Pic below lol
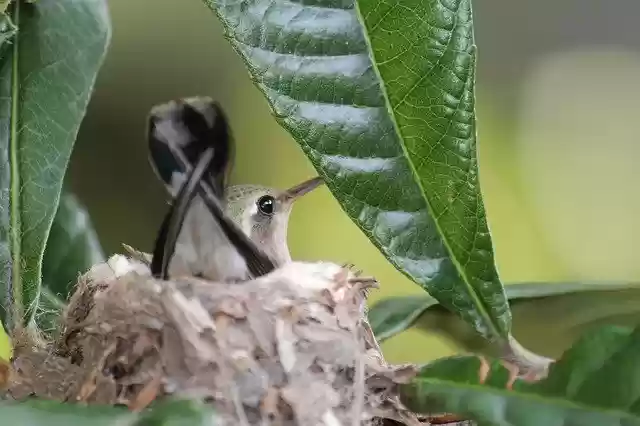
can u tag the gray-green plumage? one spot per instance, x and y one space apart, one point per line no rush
202 250
267 231
179 133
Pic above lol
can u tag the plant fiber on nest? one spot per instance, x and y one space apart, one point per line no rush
290 348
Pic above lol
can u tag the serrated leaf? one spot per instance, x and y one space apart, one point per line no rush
596 383
311 61
46 413
396 314
46 80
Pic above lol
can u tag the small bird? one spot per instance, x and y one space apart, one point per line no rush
211 231
263 214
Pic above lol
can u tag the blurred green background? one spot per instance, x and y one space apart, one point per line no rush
557 107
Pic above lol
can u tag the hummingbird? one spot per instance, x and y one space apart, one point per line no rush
213 231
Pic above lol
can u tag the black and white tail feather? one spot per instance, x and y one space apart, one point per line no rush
191 150
191 125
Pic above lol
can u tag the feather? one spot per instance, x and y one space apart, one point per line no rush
193 159
194 125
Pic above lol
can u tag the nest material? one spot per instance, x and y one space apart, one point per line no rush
290 348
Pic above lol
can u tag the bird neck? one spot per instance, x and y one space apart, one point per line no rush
275 246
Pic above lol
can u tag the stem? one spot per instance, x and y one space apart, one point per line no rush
530 364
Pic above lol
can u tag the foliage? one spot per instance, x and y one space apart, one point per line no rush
394 315
46 78
395 143
595 383
171 413
72 248
381 98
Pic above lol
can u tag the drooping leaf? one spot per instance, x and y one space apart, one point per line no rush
46 79
396 161
396 314
596 383
46 413
424 53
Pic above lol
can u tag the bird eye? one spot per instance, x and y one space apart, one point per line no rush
267 204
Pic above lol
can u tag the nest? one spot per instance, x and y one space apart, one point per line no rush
290 348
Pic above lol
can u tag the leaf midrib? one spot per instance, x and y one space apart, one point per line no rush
494 326
14 197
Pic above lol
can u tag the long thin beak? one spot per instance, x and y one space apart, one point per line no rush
299 190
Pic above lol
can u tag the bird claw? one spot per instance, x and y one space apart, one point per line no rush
357 278
351 268
365 282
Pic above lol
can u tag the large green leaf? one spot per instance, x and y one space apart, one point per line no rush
46 79
596 383
394 315
396 158
45 413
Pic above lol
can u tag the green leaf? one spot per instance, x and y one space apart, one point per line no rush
46 80
596 383
424 53
7 31
394 159
50 309
396 314
46 413
4 4
73 247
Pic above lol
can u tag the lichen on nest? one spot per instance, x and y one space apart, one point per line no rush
291 348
